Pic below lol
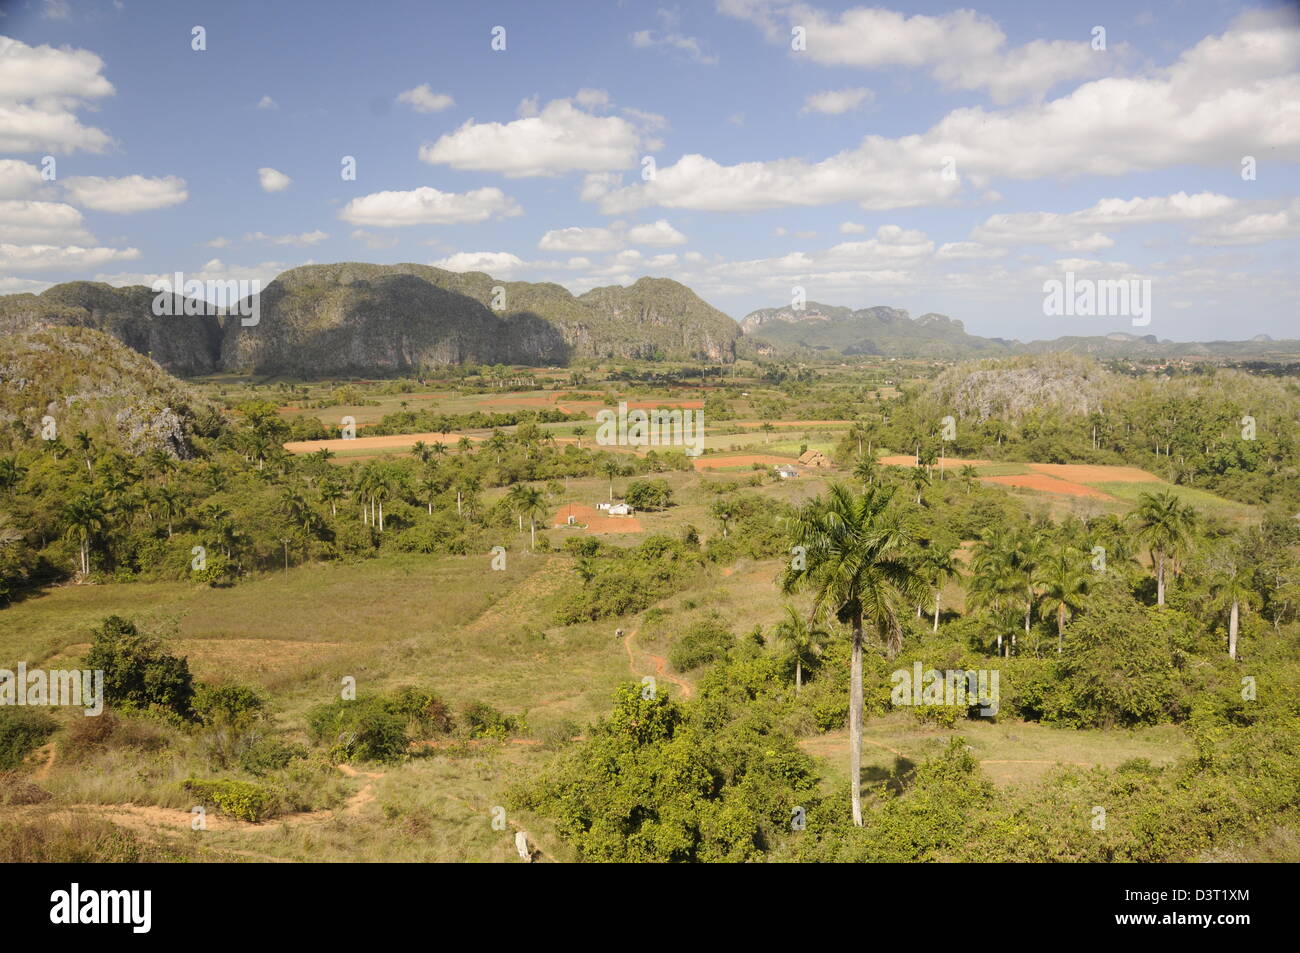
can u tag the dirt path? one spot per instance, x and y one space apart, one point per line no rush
660 663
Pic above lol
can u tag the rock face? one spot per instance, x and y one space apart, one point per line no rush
76 379
879 330
183 344
353 318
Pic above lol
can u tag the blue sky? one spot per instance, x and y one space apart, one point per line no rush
821 168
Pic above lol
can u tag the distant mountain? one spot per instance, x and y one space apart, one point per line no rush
890 332
827 330
354 318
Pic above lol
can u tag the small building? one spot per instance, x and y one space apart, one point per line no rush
786 472
815 459
620 509
603 506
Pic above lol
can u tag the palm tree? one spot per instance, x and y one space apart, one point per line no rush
11 474
439 449
920 479
1165 524
856 565
420 450
968 473
939 566
528 501
497 442
611 468
1064 579
331 492
83 442
995 584
867 470
169 503
84 516
804 637
1230 588
466 485
464 443
579 432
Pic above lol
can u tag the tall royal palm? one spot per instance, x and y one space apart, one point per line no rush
1064 581
1165 524
804 638
854 559
84 517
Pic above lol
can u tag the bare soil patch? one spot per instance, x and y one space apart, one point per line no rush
595 521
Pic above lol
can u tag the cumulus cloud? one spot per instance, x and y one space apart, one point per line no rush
18 178
266 102
576 238
40 90
131 193
424 100
373 241
492 262
1079 231
962 49
1226 96
304 238
560 138
53 223
428 206
657 233
837 101
272 180
69 257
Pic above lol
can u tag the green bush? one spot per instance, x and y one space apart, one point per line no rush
241 799
706 641
268 755
484 721
366 729
22 731
138 674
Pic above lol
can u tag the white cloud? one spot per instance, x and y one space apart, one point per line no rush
428 206
561 138
272 180
373 241
40 90
852 228
55 10
424 100
492 262
576 238
13 286
968 250
670 38
18 178
266 102
1078 231
42 223
591 98
305 238
837 101
1254 227
658 233
131 193
963 49
1226 97
70 257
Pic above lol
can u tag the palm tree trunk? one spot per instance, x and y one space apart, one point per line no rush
532 531
798 675
458 503
1060 627
1232 629
1160 579
855 721
999 644
936 611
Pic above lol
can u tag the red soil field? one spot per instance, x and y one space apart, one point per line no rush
739 460
595 520
1048 484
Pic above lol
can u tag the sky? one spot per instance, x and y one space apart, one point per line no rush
918 156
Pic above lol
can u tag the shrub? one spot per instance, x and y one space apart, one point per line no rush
425 712
22 731
228 704
362 730
484 721
138 674
704 642
241 799
267 755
